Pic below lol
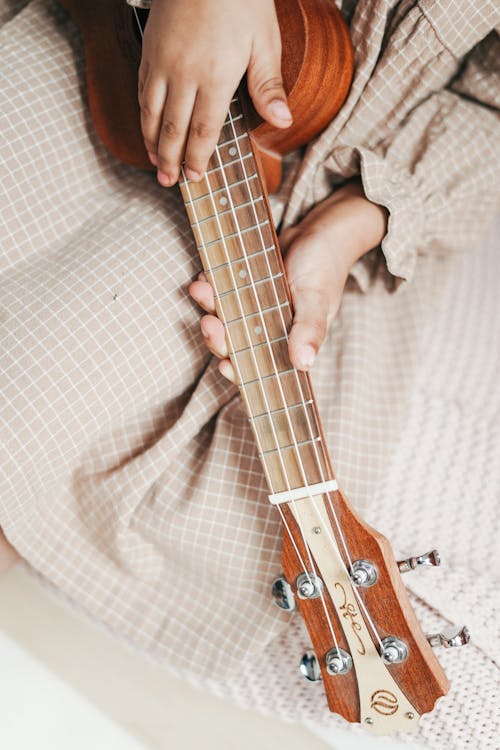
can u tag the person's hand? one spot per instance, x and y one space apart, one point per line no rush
319 253
193 57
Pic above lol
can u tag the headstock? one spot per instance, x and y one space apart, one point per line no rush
377 666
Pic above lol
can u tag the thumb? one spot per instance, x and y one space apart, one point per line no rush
310 324
265 86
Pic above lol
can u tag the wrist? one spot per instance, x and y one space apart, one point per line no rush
353 224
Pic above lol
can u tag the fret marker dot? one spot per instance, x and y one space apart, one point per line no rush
223 201
242 274
232 151
257 330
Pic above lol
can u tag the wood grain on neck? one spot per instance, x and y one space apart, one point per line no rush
234 232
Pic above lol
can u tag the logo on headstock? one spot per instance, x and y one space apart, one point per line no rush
384 702
351 613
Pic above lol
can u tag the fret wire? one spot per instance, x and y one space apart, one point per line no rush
229 164
227 129
233 140
260 344
295 444
252 284
271 375
248 255
235 234
232 119
286 303
223 189
299 405
228 211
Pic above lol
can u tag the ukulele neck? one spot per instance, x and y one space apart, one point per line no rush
234 232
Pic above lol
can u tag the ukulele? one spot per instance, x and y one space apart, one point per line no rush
377 666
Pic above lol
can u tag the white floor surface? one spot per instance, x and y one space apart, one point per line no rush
65 685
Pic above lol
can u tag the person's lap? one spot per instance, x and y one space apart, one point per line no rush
101 356
95 320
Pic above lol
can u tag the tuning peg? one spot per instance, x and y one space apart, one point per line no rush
338 661
394 650
430 559
283 595
309 667
450 637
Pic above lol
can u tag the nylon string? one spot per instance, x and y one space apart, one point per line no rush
328 493
313 439
330 502
261 384
299 556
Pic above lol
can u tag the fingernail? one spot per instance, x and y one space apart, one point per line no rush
164 179
191 174
153 158
305 355
280 110
226 370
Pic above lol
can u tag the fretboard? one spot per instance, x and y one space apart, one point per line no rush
234 232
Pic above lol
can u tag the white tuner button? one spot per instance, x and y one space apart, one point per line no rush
283 595
338 661
450 638
430 559
363 573
309 586
394 650
309 667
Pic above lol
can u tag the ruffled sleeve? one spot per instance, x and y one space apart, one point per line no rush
439 173
421 127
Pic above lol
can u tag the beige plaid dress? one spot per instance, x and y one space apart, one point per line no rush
129 481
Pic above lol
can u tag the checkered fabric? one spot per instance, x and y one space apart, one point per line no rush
129 481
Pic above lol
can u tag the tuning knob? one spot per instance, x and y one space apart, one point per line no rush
338 661
450 638
394 650
309 667
283 595
430 559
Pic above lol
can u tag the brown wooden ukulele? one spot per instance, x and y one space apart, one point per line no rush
377 666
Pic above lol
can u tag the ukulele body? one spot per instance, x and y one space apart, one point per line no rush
316 47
